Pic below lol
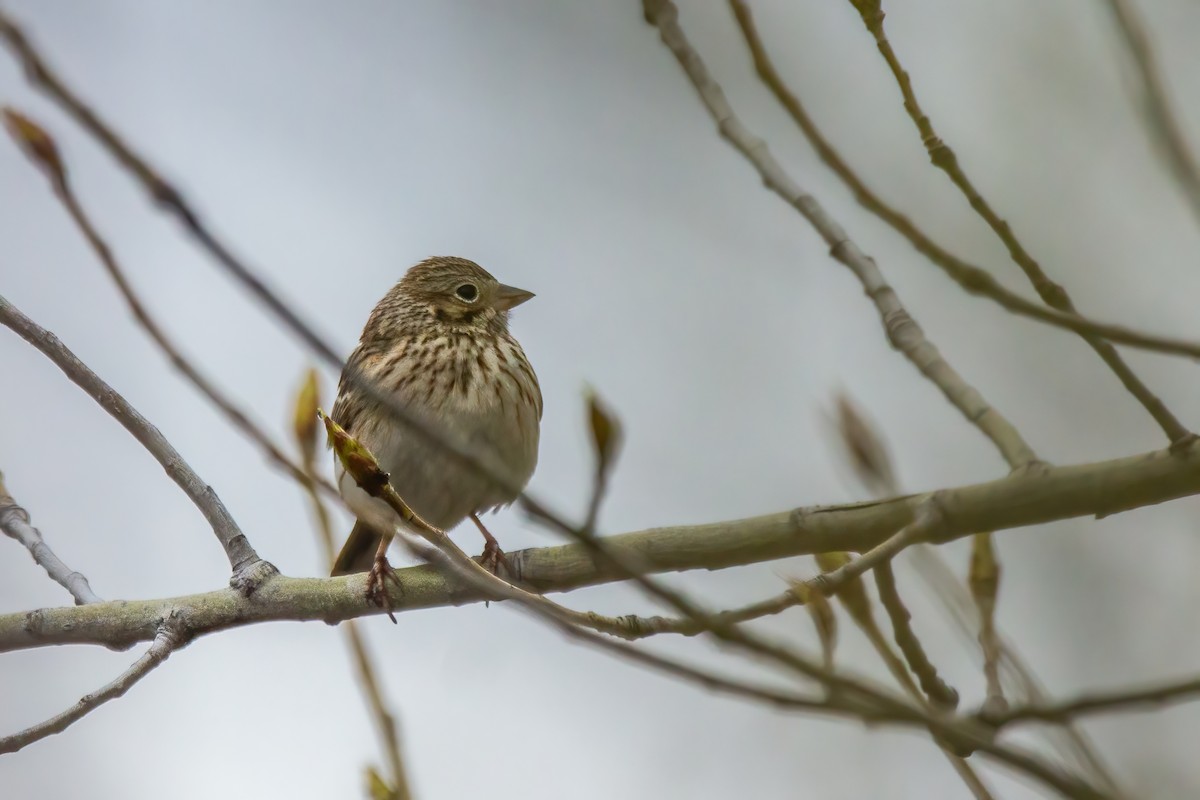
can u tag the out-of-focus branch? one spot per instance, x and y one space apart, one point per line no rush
970 277
1161 119
249 570
872 465
984 581
306 430
1022 682
55 168
902 330
939 692
1096 703
169 637
1053 294
14 521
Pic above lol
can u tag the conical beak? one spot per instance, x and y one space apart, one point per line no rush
510 297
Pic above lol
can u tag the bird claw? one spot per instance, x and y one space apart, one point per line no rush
381 572
493 557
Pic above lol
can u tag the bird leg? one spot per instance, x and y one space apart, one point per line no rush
492 556
381 571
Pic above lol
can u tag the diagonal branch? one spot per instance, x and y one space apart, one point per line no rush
971 278
902 330
169 638
1163 122
242 557
1053 294
46 156
15 522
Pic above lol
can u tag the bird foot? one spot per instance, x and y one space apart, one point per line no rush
493 557
381 572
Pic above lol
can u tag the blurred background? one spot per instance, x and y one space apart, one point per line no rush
561 146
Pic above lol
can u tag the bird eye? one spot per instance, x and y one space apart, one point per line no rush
467 292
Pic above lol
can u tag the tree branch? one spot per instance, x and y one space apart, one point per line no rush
902 330
1099 702
244 561
1053 294
971 278
169 637
47 157
14 521
1021 499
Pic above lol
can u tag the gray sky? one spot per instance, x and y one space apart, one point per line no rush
561 146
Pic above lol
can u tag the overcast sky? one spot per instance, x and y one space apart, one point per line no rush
561 147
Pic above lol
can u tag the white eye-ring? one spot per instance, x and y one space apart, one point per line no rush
467 292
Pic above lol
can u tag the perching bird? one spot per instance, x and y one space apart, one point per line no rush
438 344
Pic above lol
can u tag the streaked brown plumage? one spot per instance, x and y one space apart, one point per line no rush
438 342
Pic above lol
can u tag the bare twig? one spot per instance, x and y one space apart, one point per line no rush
1162 121
964 612
245 563
902 331
970 277
169 638
872 465
984 580
15 522
1052 294
935 688
56 170
1094 703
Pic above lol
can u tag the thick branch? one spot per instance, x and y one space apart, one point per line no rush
1021 499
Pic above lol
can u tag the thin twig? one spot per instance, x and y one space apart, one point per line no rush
939 692
970 277
1053 294
1163 122
169 638
964 613
1099 702
984 581
61 184
242 558
869 457
902 330
15 522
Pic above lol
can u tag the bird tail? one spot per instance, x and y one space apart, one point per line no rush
358 553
